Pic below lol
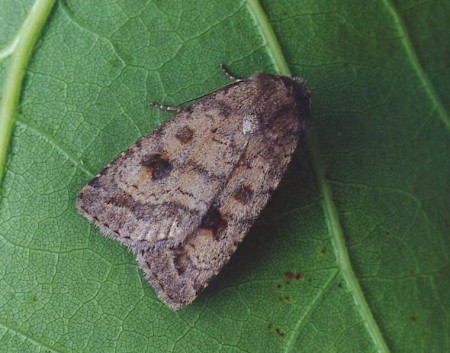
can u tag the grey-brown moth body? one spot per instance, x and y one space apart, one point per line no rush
185 196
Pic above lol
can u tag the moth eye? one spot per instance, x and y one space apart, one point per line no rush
158 166
243 194
184 135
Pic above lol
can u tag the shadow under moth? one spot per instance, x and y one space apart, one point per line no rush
185 196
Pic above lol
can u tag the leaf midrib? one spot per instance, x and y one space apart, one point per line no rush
328 204
415 63
25 41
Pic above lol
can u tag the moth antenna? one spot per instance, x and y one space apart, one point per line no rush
168 108
228 74
178 109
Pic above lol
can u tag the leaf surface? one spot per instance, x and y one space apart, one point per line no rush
351 254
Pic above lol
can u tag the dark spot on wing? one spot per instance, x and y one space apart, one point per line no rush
184 135
139 210
243 194
181 263
157 165
225 109
213 220
206 174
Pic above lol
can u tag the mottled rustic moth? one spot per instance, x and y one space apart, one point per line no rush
184 197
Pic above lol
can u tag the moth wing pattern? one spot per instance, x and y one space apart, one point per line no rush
130 200
185 196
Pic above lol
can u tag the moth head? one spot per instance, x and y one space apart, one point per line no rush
282 93
302 94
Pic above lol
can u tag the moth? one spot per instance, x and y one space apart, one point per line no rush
185 196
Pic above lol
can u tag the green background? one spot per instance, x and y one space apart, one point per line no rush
363 213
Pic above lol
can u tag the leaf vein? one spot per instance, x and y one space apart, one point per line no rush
416 64
27 38
58 145
301 322
36 341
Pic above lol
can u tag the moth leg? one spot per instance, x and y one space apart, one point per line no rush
168 108
228 74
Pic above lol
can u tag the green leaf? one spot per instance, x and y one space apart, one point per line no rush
352 253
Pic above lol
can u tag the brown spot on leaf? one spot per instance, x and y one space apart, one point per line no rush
184 135
289 275
269 325
279 285
279 332
157 165
323 250
243 194
293 275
